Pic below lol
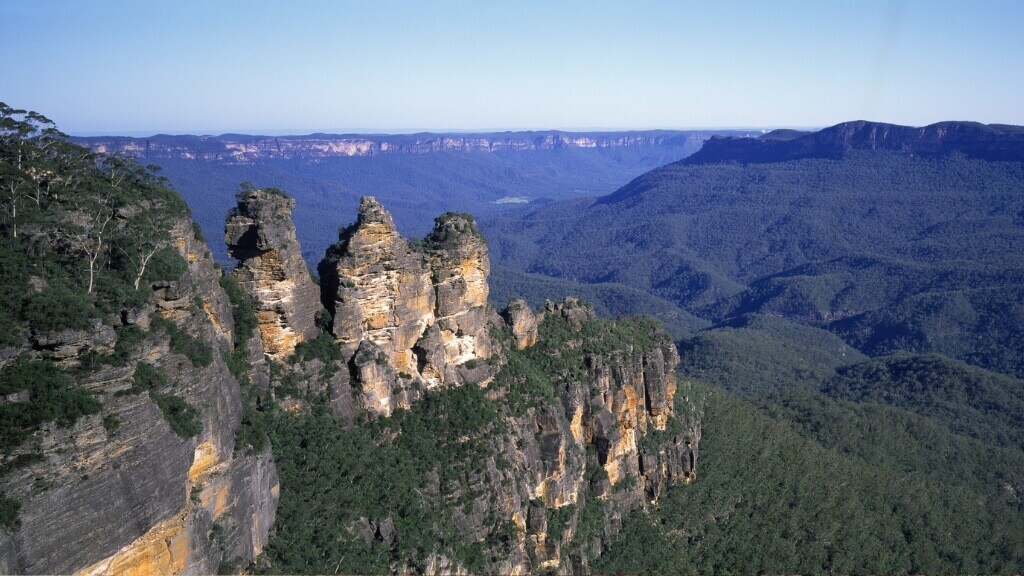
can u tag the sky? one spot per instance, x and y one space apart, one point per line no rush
300 66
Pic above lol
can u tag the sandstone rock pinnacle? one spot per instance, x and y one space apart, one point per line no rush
523 322
424 305
260 234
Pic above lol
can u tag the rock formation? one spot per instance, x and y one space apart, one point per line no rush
261 236
423 307
522 321
601 433
409 317
580 454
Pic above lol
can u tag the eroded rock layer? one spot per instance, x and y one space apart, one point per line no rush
422 307
610 443
120 492
260 235
565 471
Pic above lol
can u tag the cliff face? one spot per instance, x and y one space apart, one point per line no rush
236 148
560 472
611 442
409 316
120 491
260 235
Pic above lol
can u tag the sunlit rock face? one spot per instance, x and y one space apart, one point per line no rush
423 305
260 235
523 323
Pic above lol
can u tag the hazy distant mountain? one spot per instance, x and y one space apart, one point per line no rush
974 140
896 237
416 175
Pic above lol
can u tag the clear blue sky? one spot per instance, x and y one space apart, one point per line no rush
210 66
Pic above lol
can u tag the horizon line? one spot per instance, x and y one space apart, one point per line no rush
412 132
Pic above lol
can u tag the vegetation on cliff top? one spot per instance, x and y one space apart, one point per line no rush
389 493
82 239
79 233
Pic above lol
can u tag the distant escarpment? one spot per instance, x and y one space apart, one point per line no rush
974 140
241 148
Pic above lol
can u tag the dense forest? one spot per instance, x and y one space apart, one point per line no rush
889 250
819 460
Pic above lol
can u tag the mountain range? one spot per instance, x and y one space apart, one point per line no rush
895 238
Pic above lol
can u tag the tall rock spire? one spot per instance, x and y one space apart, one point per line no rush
260 235
423 306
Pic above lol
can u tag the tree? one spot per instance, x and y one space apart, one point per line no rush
15 188
85 230
148 237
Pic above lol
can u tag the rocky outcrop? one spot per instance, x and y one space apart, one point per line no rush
422 307
260 235
614 437
602 431
120 492
522 321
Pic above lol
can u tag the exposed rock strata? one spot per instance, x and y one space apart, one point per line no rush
242 149
423 307
598 420
260 234
522 321
139 499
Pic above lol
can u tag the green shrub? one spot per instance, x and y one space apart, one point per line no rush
57 308
52 398
243 309
323 319
21 373
166 264
558 518
256 420
128 340
183 418
198 352
9 508
111 423
197 232
238 364
321 348
148 377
